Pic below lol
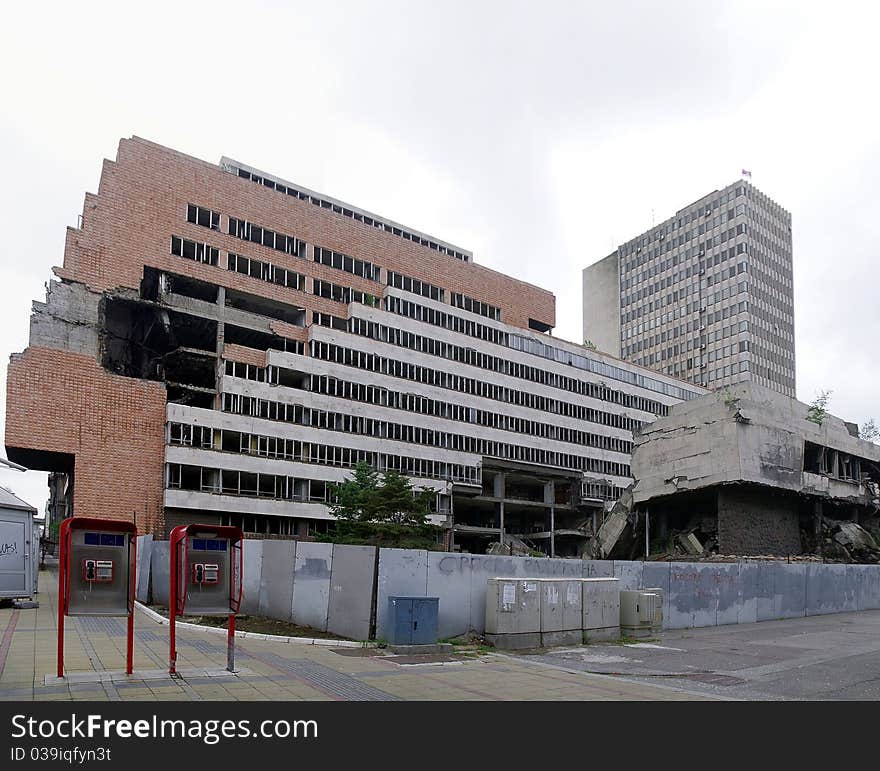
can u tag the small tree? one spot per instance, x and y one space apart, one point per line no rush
869 431
818 409
390 512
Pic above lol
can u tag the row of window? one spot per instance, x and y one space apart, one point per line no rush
343 294
347 212
266 271
475 306
384 397
224 440
248 231
352 265
437 318
479 387
194 250
401 432
246 483
424 405
402 338
416 286
199 215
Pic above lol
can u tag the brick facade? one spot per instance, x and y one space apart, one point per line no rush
113 426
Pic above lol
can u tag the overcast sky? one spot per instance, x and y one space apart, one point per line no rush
538 135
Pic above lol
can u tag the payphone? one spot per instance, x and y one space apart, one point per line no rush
96 574
205 579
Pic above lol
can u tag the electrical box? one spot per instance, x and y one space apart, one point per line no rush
638 612
100 570
413 620
513 612
658 606
601 609
561 611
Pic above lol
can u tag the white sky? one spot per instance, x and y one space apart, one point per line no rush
538 135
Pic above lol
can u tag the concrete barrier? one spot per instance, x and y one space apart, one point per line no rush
311 584
352 578
251 574
159 573
339 588
144 556
275 598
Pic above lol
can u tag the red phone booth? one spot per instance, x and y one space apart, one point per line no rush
96 574
205 579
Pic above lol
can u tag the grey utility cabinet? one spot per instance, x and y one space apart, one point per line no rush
413 620
18 557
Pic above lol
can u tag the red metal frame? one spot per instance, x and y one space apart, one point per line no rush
65 533
177 574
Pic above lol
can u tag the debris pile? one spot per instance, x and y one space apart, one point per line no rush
512 547
848 542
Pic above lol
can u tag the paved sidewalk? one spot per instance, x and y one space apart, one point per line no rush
831 657
269 670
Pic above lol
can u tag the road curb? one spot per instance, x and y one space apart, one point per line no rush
160 619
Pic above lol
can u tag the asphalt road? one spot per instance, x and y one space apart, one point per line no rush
834 657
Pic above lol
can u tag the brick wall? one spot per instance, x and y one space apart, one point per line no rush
142 201
114 426
754 522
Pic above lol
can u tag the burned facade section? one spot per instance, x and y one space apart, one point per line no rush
744 471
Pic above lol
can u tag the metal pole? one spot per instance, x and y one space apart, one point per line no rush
132 589
172 610
230 643
62 569
647 533
552 532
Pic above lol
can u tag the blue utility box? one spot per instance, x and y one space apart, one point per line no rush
413 620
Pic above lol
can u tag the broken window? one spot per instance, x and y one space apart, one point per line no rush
193 250
199 215
257 234
352 265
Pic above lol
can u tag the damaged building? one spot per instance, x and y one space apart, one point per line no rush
222 345
747 471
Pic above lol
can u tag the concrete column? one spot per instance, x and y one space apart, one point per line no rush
552 528
501 520
817 526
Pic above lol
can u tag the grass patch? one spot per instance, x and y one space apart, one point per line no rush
257 624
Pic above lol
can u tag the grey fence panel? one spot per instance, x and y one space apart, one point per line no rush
629 574
790 590
352 577
159 573
402 572
144 556
728 592
252 556
311 584
871 588
276 579
449 578
748 593
598 569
